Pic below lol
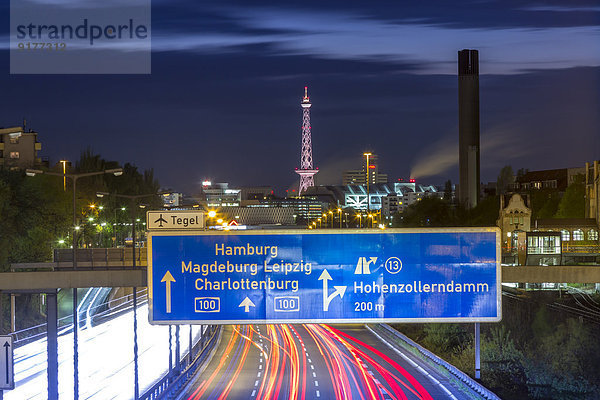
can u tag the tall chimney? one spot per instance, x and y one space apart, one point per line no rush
468 127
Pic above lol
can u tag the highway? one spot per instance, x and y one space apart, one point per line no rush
105 359
311 362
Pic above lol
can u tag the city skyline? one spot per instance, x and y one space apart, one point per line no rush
222 99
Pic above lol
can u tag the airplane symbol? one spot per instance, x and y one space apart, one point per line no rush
160 220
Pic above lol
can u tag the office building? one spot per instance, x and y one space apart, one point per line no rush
359 176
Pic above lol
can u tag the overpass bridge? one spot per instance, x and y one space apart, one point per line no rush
104 268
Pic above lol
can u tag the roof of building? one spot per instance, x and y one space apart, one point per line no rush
566 223
546 175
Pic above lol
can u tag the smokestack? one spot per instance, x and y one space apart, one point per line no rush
468 127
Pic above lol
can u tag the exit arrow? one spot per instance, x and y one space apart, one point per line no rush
168 279
247 303
6 346
325 277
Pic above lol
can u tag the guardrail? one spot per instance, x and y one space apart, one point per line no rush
568 247
426 355
171 384
65 324
101 257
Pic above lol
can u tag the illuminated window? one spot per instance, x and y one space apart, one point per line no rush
578 234
565 235
14 154
14 137
592 234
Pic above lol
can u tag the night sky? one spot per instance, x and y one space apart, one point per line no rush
223 99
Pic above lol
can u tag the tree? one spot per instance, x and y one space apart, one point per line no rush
504 180
503 362
444 338
448 191
572 204
429 211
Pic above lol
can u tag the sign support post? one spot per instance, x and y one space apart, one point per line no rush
477 354
52 321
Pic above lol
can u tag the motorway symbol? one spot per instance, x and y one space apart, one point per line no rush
7 379
247 303
325 277
362 267
168 279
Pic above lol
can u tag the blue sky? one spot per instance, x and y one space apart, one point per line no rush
222 101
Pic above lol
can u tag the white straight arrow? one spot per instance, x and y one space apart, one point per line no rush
168 279
247 303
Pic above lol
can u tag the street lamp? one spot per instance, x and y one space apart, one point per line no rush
74 177
331 213
368 179
339 210
132 199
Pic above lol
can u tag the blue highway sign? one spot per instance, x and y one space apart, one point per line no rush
300 276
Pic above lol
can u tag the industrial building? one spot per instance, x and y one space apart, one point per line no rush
468 127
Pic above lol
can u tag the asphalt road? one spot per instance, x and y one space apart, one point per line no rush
313 362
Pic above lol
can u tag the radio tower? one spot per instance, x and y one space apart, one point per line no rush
306 170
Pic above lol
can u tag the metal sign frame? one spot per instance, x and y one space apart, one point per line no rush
498 274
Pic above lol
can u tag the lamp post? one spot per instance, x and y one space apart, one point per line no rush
339 210
331 213
368 180
74 178
132 199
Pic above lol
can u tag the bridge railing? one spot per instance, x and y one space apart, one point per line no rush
65 324
171 384
568 247
101 257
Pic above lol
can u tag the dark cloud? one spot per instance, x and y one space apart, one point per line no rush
223 99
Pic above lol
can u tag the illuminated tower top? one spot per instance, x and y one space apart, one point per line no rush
305 99
306 170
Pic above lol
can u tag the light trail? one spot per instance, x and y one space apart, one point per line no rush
274 363
105 361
